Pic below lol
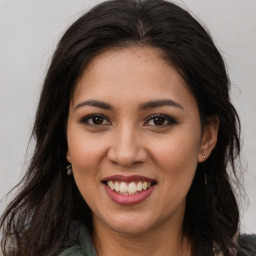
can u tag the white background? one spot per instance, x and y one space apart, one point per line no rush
29 32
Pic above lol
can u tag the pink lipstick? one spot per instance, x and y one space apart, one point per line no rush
128 190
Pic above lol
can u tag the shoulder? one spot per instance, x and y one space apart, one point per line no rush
83 245
247 245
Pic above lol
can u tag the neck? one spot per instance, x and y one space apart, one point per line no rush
168 242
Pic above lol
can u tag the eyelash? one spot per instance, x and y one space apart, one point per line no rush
85 120
168 120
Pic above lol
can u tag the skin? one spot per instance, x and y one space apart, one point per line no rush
127 142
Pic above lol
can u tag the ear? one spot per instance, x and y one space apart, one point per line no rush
209 138
68 156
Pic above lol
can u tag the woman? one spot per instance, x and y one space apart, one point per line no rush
134 135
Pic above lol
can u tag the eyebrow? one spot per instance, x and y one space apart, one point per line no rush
143 106
94 103
159 103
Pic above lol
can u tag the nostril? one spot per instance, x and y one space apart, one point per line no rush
127 156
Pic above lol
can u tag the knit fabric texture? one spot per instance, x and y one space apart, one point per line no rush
84 246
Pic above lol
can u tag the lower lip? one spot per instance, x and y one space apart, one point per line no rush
129 199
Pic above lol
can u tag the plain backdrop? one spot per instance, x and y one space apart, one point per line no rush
29 32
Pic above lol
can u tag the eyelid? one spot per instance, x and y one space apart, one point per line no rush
84 120
170 119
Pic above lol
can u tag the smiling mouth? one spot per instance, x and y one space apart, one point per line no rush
131 188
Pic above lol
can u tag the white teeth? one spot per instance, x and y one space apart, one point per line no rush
144 185
123 187
131 188
139 186
111 184
117 186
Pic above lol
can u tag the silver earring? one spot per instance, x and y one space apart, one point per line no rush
69 169
205 179
204 156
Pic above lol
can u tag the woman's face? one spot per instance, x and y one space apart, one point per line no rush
134 140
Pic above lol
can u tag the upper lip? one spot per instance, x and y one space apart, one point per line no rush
128 179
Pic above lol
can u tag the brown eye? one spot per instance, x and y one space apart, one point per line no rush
160 120
95 120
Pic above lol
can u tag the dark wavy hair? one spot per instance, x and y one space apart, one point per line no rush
37 221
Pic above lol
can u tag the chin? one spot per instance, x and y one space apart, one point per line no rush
130 228
130 223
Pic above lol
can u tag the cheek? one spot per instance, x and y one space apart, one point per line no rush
177 161
178 150
86 160
85 152
86 155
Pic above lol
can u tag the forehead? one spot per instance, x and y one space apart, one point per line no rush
132 73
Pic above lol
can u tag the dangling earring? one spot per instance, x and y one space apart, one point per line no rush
69 169
205 176
205 179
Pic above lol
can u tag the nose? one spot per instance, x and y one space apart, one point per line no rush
127 148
